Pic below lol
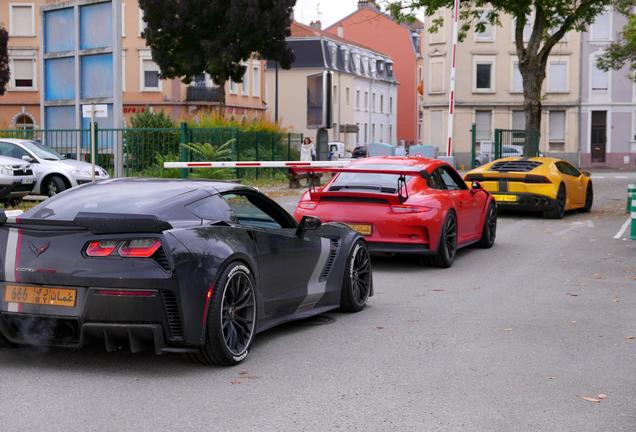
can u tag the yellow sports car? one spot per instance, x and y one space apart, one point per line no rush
544 184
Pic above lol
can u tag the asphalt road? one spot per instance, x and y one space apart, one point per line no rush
509 339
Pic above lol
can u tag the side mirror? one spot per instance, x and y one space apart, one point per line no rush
307 223
475 186
586 173
27 158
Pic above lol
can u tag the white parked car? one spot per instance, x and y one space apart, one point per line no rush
53 171
16 178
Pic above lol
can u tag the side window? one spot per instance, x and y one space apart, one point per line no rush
252 210
212 208
5 149
436 181
14 151
451 182
568 169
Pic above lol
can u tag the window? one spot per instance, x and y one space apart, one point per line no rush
334 95
436 76
436 181
600 78
149 80
440 35
557 130
23 121
365 132
600 30
256 80
483 123
142 23
451 179
233 87
211 208
390 137
347 96
488 34
245 82
527 29
366 101
358 133
558 76
358 99
567 168
517 80
519 120
382 103
23 74
12 150
21 20
373 105
391 105
250 211
381 132
123 19
373 133
436 129
483 74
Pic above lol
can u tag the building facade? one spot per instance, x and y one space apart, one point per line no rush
364 89
403 43
608 101
141 83
489 91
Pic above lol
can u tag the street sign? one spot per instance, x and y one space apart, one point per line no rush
99 111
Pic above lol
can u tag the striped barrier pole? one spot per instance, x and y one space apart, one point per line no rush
631 190
632 233
259 164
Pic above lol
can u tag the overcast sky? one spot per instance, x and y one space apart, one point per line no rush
330 10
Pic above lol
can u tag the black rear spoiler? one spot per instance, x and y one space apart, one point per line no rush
97 223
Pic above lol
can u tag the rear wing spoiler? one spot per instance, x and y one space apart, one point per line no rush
97 223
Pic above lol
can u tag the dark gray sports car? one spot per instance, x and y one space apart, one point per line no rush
181 266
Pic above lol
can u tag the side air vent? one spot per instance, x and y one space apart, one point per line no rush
519 165
172 313
333 250
162 259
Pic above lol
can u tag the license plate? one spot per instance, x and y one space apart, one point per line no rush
505 198
65 297
28 180
364 229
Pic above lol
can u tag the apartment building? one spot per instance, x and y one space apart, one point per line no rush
365 97
608 101
402 42
489 90
141 83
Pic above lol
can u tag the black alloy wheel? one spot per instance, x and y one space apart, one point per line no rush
589 198
558 211
357 283
489 231
448 243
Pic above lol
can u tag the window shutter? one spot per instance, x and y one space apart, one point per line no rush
437 77
600 79
599 30
557 126
437 128
23 69
519 120
517 80
22 20
483 123
558 78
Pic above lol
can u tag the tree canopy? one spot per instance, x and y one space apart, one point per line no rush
5 74
190 37
548 21
623 51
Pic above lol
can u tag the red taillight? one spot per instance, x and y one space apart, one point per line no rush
101 248
408 209
139 248
308 205
126 293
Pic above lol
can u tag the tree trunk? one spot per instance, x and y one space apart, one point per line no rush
223 82
533 76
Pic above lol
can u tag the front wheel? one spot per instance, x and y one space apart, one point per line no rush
357 281
231 318
55 185
489 231
589 198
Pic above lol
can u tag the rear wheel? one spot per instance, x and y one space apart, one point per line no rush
4 342
231 318
489 231
589 198
357 281
558 211
54 185
448 243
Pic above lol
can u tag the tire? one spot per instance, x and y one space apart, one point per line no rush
489 230
589 198
558 211
447 249
357 280
54 185
4 343
229 329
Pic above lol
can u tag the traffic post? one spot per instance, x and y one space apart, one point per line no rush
631 190
92 112
632 233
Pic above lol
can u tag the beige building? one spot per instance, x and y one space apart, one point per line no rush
141 85
489 89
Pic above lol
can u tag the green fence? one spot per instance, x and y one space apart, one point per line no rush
507 143
145 150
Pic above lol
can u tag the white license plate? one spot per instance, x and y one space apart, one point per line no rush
28 180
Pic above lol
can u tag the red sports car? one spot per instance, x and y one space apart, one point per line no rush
406 205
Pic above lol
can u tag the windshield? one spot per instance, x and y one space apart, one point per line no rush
42 151
384 183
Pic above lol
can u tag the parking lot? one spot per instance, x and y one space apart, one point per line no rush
509 339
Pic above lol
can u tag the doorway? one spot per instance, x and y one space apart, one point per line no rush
599 136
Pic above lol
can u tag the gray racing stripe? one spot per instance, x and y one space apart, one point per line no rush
315 288
10 255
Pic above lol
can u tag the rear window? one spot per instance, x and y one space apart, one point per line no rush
384 183
519 165
115 197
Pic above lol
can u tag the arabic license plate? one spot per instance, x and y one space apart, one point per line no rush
505 198
64 297
29 180
364 229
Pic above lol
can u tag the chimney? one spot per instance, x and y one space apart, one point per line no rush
364 3
317 25
340 31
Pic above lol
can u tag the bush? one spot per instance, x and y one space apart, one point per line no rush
151 133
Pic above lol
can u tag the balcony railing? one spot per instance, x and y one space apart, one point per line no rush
203 94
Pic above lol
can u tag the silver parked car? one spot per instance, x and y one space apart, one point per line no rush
54 172
16 179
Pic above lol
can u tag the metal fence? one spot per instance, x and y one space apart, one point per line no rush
507 143
145 150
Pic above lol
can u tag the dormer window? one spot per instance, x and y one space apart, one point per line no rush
345 56
333 52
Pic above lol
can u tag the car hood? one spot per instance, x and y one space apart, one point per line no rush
72 164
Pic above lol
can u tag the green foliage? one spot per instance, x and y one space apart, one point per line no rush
150 133
149 119
215 120
189 37
5 73
623 51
